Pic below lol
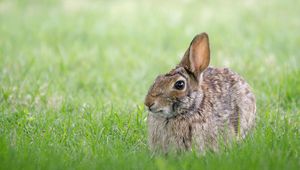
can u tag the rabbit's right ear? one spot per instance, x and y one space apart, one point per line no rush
197 56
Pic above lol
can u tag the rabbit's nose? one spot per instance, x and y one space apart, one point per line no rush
149 105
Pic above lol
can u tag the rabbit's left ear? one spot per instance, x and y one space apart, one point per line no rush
197 56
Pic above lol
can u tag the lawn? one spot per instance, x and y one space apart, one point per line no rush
74 74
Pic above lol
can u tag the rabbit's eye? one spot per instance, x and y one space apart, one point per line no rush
179 85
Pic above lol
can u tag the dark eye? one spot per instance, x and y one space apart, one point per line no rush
179 85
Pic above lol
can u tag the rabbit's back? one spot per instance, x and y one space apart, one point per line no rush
232 103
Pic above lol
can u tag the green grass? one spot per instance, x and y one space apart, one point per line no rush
74 74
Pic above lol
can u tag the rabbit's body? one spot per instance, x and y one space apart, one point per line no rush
196 106
223 108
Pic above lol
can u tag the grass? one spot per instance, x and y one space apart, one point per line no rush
73 76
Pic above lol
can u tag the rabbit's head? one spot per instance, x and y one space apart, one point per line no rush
179 90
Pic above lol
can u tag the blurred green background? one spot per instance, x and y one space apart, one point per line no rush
74 74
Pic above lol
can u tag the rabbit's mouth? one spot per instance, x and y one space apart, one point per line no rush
162 112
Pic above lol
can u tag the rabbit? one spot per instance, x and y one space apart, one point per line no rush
194 106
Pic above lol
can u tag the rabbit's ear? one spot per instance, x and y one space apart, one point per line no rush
197 56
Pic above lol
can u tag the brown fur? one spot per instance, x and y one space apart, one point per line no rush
215 104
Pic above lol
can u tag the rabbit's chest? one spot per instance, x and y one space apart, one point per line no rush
177 134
